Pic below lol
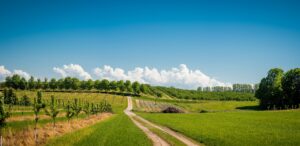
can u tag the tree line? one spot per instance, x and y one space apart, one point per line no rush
280 90
245 88
71 83
203 95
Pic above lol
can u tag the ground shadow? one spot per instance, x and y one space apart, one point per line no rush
254 107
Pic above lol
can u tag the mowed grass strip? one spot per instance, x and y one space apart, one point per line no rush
235 128
119 130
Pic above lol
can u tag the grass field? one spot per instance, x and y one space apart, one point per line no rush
235 128
118 130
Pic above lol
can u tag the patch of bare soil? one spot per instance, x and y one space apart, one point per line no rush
26 137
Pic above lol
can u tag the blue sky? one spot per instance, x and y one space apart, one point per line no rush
231 41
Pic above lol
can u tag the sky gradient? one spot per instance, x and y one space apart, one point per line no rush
230 41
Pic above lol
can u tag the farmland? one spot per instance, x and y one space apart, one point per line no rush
235 128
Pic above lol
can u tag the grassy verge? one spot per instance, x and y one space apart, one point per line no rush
168 138
235 128
116 131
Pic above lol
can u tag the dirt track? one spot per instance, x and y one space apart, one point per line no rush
157 141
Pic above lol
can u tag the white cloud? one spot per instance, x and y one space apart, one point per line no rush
5 72
181 77
22 74
72 70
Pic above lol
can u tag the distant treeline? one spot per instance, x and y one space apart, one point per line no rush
246 88
69 83
204 95
73 85
280 90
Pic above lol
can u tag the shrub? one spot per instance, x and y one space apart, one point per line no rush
171 110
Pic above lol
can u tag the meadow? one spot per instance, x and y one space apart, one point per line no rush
235 128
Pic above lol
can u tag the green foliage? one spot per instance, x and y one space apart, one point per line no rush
53 110
76 108
279 90
10 96
197 95
136 88
25 101
291 87
3 114
69 111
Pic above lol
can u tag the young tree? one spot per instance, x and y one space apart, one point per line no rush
69 112
39 84
76 107
52 111
37 106
25 101
86 108
3 116
10 96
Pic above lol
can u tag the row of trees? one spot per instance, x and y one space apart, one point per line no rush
69 83
280 90
72 109
245 88
196 95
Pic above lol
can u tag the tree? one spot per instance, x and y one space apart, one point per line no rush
53 111
144 88
121 85
61 84
76 107
39 84
10 97
25 101
270 90
128 86
3 116
23 84
53 84
75 84
113 85
31 83
104 85
68 83
45 84
89 84
37 106
69 112
291 87
136 87
86 108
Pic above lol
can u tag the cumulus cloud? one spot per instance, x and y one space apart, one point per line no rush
72 70
22 74
181 76
5 72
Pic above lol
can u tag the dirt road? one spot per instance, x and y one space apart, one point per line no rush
157 141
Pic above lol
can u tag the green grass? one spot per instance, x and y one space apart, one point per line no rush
206 105
213 106
116 131
168 138
235 128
